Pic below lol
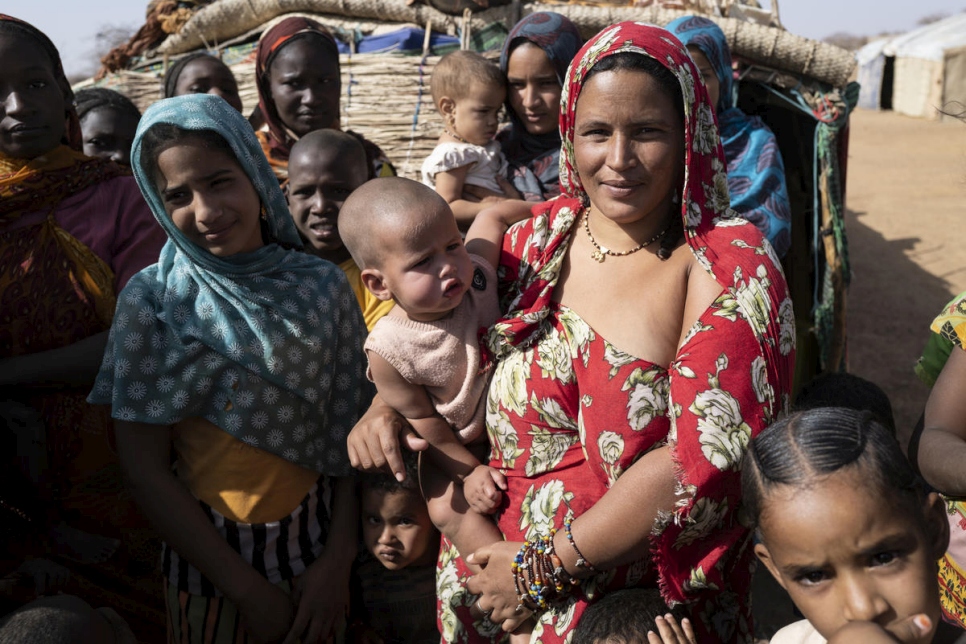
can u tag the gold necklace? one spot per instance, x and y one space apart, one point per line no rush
600 253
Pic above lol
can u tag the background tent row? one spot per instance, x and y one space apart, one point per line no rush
918 73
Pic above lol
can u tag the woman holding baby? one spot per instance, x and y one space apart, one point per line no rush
645 337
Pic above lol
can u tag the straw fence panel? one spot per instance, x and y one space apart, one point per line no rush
772 47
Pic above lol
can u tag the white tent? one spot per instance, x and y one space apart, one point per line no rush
872 71
930 67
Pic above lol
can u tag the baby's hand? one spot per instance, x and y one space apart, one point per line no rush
670 632
909 629
482 489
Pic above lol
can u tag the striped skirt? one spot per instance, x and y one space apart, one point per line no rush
193 619
197 611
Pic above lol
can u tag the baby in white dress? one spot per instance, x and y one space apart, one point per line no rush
468 91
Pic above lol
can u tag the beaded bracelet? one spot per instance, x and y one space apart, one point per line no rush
538 573
568 530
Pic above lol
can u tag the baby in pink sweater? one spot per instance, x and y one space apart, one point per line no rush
424 355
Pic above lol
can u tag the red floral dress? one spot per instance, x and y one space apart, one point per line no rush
568 412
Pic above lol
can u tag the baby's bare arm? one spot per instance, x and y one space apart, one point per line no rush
414 404
449 185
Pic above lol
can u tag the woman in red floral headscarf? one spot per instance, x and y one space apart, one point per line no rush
299 89
647 336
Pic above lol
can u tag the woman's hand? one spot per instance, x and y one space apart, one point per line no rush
266 613
671 632
321 596
375 440
494 585
482 489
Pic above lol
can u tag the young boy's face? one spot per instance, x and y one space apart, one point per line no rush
318 185
396 528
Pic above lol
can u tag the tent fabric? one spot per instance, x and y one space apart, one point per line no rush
871 61
918 87
954 85
929 70
931 41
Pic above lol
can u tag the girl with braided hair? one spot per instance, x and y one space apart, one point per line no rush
108 121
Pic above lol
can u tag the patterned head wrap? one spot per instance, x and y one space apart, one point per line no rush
555 34
708 37
72 133
29 185
756 172
272 41
266 345
705 183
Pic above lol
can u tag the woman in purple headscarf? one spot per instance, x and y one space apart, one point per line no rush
535 58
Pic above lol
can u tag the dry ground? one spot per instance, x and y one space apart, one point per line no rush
906 222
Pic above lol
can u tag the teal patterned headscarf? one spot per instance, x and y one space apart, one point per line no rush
266 345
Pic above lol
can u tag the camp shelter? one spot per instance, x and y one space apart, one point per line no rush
930 68
876 74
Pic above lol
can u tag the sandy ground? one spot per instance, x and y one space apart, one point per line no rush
906 204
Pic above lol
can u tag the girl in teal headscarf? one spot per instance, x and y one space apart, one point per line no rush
245 356
756 174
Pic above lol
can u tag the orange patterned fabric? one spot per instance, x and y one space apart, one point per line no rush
41 183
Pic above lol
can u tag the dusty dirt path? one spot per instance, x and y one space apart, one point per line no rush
907 240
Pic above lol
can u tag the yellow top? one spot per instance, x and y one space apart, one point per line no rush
243 483
372 307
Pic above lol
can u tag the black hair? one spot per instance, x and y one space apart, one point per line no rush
819 442
95 98
388 483
173 73
847 390
632 61
622 617
165 135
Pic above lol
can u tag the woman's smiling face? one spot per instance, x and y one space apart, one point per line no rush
628 145
210 198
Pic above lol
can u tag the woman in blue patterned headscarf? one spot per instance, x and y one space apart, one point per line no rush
535 57
756 174
245 356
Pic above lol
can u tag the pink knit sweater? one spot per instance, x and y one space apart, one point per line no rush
444 356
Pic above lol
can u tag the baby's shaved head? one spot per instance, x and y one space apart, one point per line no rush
331 145
383 209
